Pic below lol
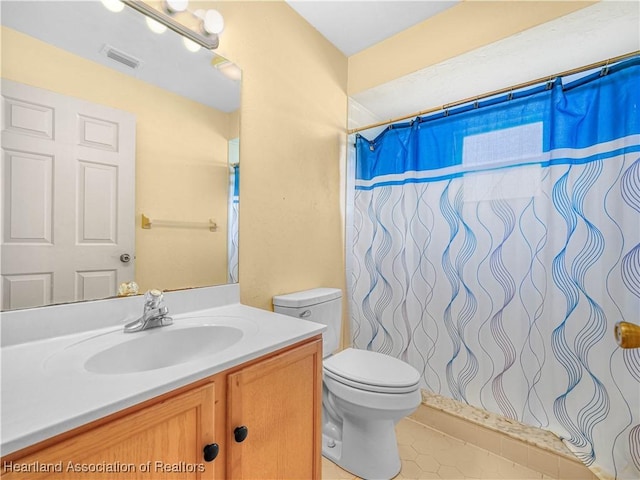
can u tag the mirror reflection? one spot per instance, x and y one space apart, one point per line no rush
105 120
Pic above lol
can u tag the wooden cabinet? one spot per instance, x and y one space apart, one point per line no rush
152 442
277 398
279 403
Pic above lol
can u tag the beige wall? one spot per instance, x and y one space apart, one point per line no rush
293 121
462 28
184 180
292 138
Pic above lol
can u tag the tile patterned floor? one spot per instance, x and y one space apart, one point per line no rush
430 454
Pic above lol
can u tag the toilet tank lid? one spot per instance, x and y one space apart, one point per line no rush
306 298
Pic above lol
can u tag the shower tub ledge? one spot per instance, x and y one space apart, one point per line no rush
532 447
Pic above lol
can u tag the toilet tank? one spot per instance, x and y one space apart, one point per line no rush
321 305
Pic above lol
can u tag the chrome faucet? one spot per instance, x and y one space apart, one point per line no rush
155 313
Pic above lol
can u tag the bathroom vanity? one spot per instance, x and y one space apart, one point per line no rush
251 410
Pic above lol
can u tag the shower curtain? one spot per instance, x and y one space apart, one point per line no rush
232 240
496 245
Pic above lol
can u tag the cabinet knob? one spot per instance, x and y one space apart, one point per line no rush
240 433
211 452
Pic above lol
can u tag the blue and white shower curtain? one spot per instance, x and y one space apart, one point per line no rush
496 246
232 240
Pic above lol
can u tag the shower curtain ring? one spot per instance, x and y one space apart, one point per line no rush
605 69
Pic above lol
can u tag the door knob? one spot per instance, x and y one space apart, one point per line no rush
211 452
125 258
240 433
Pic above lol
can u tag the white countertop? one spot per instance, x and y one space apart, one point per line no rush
42 398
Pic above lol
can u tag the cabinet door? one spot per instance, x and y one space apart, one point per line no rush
162 441
279 401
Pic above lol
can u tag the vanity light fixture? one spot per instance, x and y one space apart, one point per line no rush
190 45
175 6
212 22
155 26
208 38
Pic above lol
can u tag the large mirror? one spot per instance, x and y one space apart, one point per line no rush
120 157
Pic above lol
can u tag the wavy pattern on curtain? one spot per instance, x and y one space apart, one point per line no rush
495 248
232 241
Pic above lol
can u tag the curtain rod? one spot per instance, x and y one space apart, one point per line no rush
548 78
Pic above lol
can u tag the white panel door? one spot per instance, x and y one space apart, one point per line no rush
68 198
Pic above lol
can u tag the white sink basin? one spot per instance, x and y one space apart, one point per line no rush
163 348
113 352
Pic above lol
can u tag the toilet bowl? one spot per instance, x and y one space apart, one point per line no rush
365 393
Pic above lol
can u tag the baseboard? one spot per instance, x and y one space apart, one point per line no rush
532 447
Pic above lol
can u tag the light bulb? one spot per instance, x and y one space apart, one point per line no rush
213 23
113 5
190 45
175 6
155 26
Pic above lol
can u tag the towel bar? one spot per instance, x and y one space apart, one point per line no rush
147 223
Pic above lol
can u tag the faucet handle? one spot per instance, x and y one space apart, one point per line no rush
153 299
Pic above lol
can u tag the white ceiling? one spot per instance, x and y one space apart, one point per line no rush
85 27
353 26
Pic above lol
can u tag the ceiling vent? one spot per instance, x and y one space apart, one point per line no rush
121 57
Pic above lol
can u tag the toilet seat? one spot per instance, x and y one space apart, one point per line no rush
371 371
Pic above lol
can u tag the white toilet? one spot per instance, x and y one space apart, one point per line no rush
364 393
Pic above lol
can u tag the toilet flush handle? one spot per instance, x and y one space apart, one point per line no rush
305 314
